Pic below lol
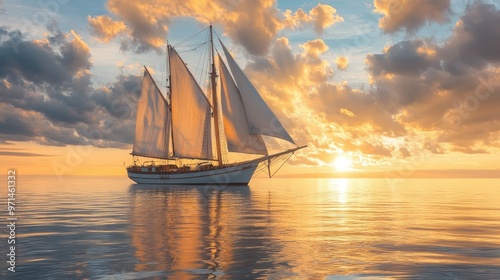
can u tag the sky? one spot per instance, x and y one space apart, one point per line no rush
369 86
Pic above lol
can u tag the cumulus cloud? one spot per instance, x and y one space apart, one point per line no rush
417 101
450 91
46 95
404 58
476 39
332 118
342 63
253 24
324 16
410 15
321 17
105 28
314 48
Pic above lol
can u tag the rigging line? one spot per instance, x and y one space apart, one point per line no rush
200 69
197 69
206 62
191 45
284 161
193 49
191 37
263 166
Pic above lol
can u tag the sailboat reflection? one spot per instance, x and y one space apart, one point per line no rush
200 230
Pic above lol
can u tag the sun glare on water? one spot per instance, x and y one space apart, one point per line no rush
342 163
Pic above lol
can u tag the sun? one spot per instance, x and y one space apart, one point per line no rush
342 163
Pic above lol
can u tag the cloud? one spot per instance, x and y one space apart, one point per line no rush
346 112
314 48
416 102
253 24
410 15
331 118
321 17
476 39
404 58
342 63
12 122
46 94
447 92
324 16
105 28
21 154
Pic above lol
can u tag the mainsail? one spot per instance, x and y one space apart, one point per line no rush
152 124
261 120
190 113
235 120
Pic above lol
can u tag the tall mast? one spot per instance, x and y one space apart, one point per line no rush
213 76
169 85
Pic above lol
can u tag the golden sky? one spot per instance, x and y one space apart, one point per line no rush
369 87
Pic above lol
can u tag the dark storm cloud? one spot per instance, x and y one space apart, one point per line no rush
21 125
46 94
404 58
452 87
35 61
475 41
474 44
13 123
3 31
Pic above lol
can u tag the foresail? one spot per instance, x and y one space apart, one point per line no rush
152 125
235 120
261 119
191 113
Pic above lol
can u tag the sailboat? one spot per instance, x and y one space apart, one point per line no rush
179 127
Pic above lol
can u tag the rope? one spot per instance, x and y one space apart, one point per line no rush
190 37
265 165
193 49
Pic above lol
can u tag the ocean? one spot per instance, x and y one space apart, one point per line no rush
110 228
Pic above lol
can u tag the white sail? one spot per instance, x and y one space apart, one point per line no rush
235 120
190 113
152 125
261 119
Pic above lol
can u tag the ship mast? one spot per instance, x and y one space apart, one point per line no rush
169 85
213 77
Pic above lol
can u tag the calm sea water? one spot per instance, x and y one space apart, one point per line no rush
109 228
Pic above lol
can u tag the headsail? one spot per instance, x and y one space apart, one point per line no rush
236 127
190 113
152 124
261 119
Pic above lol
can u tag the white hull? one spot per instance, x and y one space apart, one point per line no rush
231 175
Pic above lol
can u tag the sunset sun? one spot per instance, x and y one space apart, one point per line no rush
342 163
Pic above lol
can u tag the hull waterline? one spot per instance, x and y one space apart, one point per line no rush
230 175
